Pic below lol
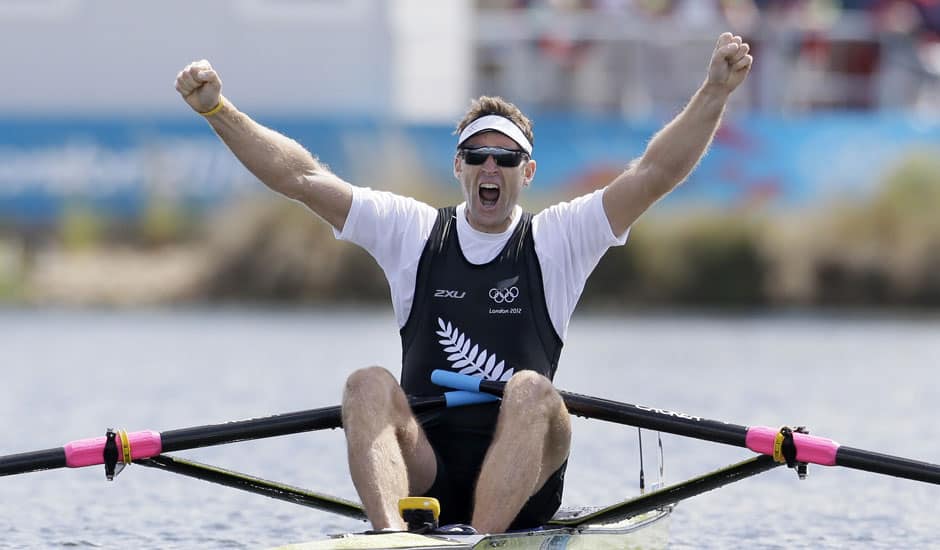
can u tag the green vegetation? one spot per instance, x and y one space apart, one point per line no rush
164 221
702 259
81 227
276 250
12 270
883 251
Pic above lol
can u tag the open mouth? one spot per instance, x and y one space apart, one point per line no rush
489 194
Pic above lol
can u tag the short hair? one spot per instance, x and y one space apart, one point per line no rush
495 105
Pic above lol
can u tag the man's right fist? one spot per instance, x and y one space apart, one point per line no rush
200 86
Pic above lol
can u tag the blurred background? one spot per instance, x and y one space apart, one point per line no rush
820 189
147 280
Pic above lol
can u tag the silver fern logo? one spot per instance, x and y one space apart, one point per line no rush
467 357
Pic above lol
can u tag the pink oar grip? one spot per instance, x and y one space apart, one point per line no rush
809 448
88 452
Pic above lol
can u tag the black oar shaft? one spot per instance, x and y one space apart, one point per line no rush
730 434
818 450
654 419
254 428
46 459
674 493
256 485
878 463
325 418
211 434
644 417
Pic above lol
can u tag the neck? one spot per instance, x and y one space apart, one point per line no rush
492 229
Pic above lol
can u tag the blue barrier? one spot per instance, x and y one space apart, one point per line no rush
116 165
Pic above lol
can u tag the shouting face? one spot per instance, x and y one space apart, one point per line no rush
490 182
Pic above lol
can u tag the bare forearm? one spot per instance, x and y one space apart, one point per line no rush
283 165
278 161
677 148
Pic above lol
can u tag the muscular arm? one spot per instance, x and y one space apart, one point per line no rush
278 161
676 149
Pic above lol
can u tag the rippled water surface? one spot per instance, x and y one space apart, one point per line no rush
871 383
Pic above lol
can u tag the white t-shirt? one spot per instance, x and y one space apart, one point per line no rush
570 238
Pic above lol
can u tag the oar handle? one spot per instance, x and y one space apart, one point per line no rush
460 398
457 381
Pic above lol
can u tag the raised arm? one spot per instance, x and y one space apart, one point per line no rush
278 161
676 149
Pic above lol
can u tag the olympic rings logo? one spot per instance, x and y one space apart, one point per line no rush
504 295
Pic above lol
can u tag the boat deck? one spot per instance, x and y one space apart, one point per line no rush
647 531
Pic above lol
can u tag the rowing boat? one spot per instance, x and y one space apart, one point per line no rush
648 531
636 522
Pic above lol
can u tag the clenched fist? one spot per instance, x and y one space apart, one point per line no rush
200 86
730 62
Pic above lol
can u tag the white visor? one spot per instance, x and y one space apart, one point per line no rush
498 123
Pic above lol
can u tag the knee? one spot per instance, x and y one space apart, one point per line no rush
367 385
533 393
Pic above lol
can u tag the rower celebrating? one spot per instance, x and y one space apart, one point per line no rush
482 288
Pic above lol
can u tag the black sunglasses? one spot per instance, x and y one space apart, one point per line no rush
507 158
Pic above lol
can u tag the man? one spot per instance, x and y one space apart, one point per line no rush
480 288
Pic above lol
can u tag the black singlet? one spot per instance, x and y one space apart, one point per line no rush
487 320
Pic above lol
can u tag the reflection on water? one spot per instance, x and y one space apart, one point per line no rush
868 383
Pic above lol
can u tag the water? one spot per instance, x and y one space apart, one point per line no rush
868 383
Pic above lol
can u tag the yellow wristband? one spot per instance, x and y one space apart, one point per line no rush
215 109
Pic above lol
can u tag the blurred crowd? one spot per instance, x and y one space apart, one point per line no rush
811 54
917 16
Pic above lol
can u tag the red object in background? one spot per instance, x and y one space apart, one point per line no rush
565 52
735 138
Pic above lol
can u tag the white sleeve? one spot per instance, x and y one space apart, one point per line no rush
393 229
570 239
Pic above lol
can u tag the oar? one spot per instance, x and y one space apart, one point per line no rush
760 439
148 443
670 494
257 485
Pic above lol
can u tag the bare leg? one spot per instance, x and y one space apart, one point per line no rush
389 455
533 436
